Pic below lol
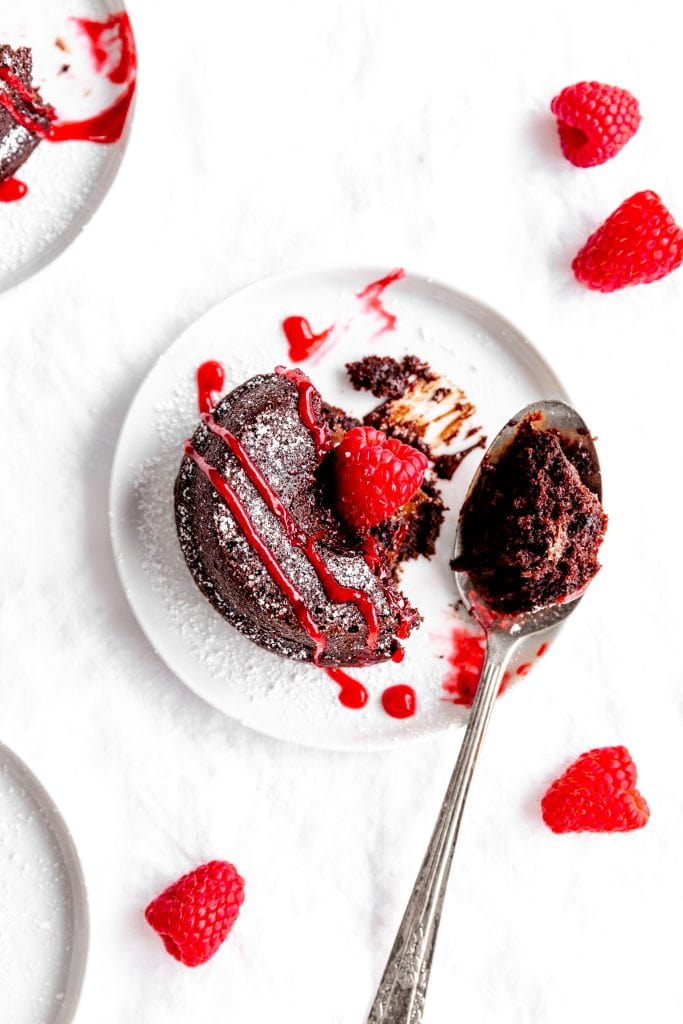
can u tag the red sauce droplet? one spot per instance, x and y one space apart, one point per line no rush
541 650
301 339
466 660
210 381
522 670
400 701
11 189
352 694
371 300
398 655
307 392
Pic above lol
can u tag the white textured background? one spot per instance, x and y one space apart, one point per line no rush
269 135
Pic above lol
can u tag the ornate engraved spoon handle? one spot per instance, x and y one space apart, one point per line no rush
401 994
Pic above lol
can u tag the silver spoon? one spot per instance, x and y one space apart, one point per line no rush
401 995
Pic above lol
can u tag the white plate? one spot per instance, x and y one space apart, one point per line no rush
66 181
43 906
479 350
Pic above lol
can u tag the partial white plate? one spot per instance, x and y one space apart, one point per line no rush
43 904
67 181
476 347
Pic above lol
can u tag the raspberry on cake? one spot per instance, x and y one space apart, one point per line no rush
375 476
531 527
24 118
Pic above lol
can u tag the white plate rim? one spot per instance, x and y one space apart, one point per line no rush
74 870
371 271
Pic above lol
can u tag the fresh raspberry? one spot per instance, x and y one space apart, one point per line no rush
375 476
594 121
596 794
639 243
194 915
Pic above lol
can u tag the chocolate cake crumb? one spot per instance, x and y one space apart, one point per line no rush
386 377
405 431
414 530
338 421
532 527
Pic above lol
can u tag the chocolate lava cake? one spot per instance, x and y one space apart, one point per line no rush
24 118
263 541
531 527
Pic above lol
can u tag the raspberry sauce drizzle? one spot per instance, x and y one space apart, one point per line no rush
101 35
400 701
36 117
210 381
255 541
466 660
307 391
335 591
352 694
112 47
301 340
371 300
11 189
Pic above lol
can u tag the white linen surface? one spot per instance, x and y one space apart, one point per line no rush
269 135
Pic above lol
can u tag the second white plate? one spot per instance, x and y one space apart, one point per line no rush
44 932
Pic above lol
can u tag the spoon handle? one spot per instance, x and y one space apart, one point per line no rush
401 994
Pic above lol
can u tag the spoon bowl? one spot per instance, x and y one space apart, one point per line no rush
548 415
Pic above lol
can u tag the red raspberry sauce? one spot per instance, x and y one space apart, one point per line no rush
12 189
303 342
371 300
319 433
466 660
106 38
400 701
210 381
352 694
112 47
301 339
105 128
110 40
